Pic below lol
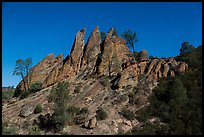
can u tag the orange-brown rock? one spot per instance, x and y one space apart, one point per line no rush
152 64
158 67
77 50
114 54
129 76
143 55
91 51
111 59
142 66
166 69
182 67
40 71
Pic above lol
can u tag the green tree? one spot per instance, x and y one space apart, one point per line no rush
22 68
186 48
61 98
130 38
103 36
115 32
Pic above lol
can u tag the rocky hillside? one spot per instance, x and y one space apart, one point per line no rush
96 58
100 74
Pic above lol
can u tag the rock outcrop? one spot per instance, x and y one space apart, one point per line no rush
109 58
26 110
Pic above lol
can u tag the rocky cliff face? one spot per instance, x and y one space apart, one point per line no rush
109 58
108 75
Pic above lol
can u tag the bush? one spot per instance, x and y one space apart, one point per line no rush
8 130
7 94
24 94
77 89
61 97
105 81
131 94
17 92
34 130
101 114
76 115
128 114
38 109
34 87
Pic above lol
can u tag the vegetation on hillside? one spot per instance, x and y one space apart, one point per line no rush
176 102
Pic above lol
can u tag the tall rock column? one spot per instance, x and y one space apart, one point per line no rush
92 50
77 50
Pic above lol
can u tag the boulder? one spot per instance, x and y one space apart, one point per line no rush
91 123
27 110
142 66
166 69
150 67
143 55
182 67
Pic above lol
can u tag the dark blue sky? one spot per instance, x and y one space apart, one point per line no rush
36 29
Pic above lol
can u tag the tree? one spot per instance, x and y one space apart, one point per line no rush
103 36
61 98
130 38
186 48
115 32
22 68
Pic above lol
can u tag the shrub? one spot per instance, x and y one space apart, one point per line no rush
131 94
128 114
77 89
24 94
101 114
76 115
8 131
34 130
17 92
38 109
34 87
105 81
7 94
61 97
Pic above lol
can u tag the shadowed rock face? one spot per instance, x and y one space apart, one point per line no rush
110 58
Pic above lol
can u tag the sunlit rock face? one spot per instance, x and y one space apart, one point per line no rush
109 58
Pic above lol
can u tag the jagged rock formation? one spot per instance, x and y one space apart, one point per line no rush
107 73
109 58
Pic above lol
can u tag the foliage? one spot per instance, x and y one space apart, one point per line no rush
192 56
130 38
186 48
76 115
8 130
101 114
22 68
136 55
77 88
38 109
105 81
151 129
24 94
103 36
34 130
115 32
131 94
61 97
7 94
128 114
34 87
177 102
